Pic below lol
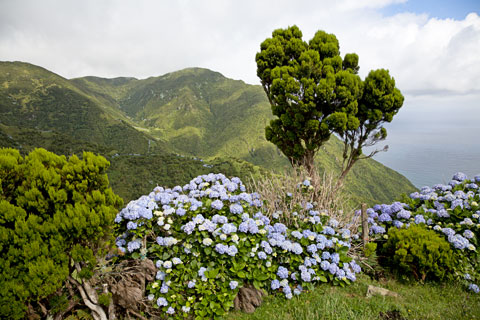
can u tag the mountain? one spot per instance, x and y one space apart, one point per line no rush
193 112
32 98
199 112
41 109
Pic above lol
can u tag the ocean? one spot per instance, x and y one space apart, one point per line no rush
432 138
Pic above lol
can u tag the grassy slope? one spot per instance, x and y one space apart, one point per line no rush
34 98
194 112
41 109
415 301
200 112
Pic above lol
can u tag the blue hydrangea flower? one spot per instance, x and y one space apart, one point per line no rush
229 228
170 310
217 205
191 284
325 265
233 284
280 228
312 248
232 250
333 268
134 245
162 302
419 219
164 288
335 257
459 176
384 217
328 230
403 214
221 248
181 212
306 277
236 208
473 287
448 231
131 225
275 284
468 234
397 224
297 234
262 255
282 272
297 248
377 229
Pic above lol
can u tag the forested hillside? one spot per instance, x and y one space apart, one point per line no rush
156 130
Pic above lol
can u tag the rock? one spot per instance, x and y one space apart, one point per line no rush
372 290
248 298
129 290
149 269
127 295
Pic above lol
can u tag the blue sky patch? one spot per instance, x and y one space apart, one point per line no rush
442 9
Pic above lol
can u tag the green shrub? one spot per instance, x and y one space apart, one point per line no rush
55 217
418 252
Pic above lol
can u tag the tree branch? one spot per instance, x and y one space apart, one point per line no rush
97 311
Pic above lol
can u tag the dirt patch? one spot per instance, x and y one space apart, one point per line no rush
392 315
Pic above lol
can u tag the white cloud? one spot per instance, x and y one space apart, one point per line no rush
148 38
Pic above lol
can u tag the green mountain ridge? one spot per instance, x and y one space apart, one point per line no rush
194 112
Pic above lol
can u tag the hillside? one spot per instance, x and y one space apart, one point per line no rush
36 99
199 112
141 126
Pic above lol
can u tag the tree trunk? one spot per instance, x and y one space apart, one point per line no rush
97 311
309 162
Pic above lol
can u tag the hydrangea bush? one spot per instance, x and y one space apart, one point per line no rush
210 237
452 210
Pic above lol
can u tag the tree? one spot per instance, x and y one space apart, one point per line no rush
55 220
315 93
311 89
380 101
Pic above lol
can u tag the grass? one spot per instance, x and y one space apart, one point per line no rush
415 301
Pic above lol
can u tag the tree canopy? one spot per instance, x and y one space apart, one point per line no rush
314 92
55 218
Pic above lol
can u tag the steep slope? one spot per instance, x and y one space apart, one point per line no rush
39 100
200 112
41 109
193 112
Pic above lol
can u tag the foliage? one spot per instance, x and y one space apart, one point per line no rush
380 101
210 238
135 175
194 112
450 210
53 212
370 249
313 93
419 252
36 99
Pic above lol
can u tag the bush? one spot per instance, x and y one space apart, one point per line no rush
418 252
452 211
55 214
210 237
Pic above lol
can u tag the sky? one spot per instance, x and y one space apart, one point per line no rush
431 47
428 46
